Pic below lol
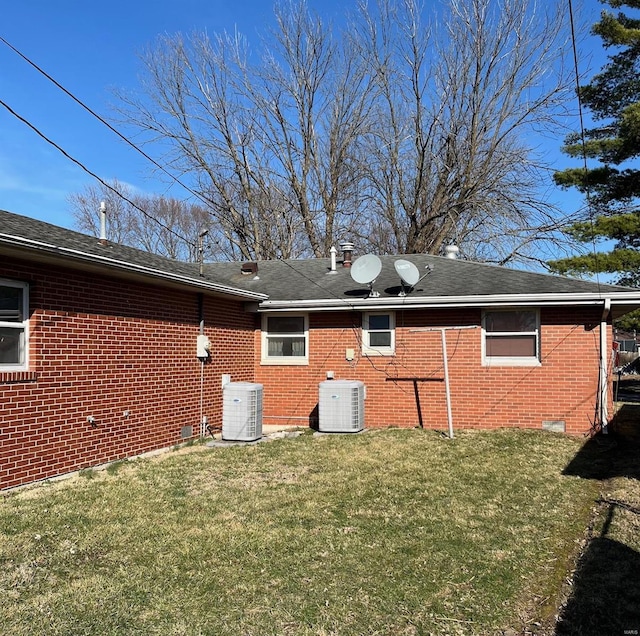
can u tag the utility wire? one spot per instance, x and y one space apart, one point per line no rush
105 122
93 174
154 162
110 187
130 143
583 140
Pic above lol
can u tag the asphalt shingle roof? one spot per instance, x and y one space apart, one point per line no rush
308 279
312 279
37 239
41 232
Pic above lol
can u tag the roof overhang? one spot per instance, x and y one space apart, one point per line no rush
42 252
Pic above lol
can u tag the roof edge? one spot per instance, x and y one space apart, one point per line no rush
112 263
556 299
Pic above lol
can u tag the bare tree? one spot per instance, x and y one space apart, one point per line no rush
155 224
458 104
274 146
405 133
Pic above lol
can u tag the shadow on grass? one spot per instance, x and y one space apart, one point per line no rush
605 457
606 595
314 418
605 599
614 455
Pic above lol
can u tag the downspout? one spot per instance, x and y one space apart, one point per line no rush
604 360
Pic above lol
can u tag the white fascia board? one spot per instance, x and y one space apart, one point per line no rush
498 300
112 263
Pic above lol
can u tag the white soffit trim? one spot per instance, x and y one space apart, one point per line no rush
503 300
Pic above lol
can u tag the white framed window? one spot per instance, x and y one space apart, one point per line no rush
511 337
285 339
14 320
378 334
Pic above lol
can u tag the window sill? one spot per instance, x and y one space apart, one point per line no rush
15 377
511 362
287 362
378 353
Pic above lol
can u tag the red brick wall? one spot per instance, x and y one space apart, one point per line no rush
563 387
101 347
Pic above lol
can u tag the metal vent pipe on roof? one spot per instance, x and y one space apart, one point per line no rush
103 222
347 252
333 251
451 251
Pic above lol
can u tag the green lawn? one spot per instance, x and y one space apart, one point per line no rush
386 532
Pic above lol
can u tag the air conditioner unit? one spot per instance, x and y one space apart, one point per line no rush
341 406
242 411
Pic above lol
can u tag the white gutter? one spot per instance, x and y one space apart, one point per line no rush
126 266
417 302
604 360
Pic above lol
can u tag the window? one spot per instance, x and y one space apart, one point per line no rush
14 305
378 334
511 337
285 339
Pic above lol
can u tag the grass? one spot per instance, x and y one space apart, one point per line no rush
604 597
389 532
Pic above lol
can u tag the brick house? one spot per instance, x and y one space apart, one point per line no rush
98 346
523 349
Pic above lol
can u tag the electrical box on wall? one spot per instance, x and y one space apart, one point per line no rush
203 346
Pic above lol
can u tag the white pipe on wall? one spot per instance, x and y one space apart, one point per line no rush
604 359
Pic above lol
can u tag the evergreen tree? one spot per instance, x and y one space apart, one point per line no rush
613 188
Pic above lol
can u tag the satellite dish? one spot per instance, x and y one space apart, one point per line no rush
407 271
366 269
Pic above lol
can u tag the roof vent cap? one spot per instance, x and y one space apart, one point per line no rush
451 251
249 268
333 251
347 253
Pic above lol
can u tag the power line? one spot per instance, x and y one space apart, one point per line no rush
583 140
125 139
104 122
93 174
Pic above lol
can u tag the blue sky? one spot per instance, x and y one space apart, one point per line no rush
90 48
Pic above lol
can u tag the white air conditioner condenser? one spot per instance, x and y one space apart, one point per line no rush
242 411
341 406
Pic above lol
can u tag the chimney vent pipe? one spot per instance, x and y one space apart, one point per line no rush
103 223
347 252
333 252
